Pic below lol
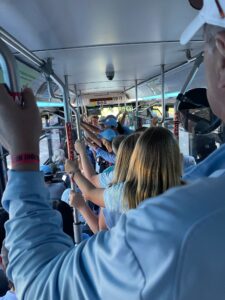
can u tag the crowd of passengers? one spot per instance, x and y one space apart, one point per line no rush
114 170
169 247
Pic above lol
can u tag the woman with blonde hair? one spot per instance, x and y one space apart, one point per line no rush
155 166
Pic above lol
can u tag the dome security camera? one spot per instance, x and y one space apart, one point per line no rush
110 72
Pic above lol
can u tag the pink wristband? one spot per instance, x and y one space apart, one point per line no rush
24 158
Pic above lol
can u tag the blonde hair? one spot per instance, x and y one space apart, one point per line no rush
155 166
125 151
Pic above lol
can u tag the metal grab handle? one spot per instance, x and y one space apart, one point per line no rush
76 227
163 94
9 68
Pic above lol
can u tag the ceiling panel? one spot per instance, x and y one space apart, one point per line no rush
83 36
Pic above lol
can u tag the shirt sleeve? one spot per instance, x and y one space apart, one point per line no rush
113 197
43 262
109 157
105 179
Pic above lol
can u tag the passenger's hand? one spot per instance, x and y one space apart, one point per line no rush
76 200
20 128
79 147
71 166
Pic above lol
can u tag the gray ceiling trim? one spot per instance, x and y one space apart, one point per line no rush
111 45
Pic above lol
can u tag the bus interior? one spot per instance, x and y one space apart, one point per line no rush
84 58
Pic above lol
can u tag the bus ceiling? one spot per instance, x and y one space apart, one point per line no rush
84 37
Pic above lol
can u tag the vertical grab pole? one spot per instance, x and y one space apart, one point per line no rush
10 77
77 114
163 94
136 107
70 147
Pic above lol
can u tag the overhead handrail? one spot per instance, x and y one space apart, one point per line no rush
177 67
9 68
12 42
43 65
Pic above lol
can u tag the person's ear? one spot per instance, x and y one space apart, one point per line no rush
220 42
220 45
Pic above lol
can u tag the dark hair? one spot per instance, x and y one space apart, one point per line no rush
117 141
120 128
141 129
67 216
4 216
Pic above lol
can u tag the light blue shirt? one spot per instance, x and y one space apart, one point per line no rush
109 157
113 198
171 247
111 217
188 161
215 161
109 169
9 296
105 179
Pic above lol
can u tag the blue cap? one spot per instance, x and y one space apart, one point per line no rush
108 135
46 169
110 122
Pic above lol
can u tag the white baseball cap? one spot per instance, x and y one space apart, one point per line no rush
212 13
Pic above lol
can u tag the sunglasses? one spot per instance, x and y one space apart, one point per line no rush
198 4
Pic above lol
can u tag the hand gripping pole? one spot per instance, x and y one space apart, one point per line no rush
70 147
